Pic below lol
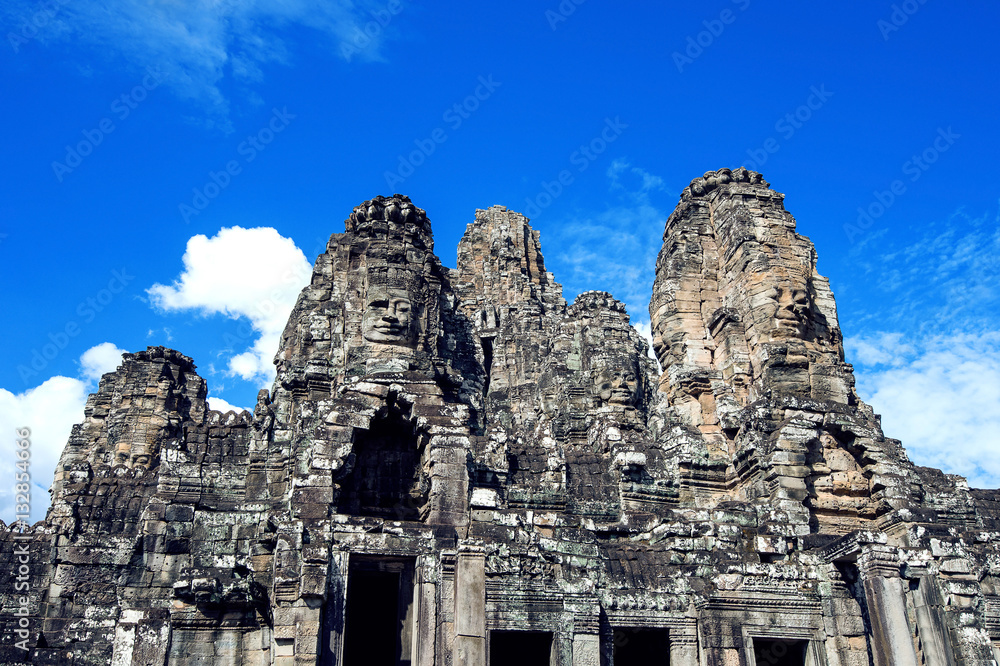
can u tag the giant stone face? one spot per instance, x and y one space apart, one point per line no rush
390 317
617 384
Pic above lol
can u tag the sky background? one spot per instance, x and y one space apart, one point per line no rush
173 168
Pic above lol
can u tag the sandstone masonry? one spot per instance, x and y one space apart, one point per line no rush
456 467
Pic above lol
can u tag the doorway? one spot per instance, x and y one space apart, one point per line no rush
378 623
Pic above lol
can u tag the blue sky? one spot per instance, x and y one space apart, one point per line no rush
172 169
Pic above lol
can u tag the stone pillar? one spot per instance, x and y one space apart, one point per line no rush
684 644
449 497
892 637
561 652
425 612
470 608
584 616
927 605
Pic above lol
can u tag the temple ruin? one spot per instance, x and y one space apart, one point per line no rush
458 467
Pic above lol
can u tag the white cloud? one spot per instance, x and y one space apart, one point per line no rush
878 349
197 44
96 361
941 398
935 376
220 405
646 331
253 273
49 410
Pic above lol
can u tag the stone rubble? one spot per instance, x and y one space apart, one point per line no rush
516 473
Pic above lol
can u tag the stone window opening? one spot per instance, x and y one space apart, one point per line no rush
388 480
635 646
788 647
779 652
521 648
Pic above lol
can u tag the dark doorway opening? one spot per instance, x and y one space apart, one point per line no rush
378 625
640 647
487 362
779 652
520 648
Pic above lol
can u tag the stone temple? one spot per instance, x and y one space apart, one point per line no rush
456 467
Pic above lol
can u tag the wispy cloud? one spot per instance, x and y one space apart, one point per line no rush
944 280
886 349
199 44
614 249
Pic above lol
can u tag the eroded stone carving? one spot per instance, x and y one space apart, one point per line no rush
389 317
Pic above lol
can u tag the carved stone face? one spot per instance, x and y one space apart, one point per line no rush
389 318
140 461
548 399
617 386
122 454
134 457
792 313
